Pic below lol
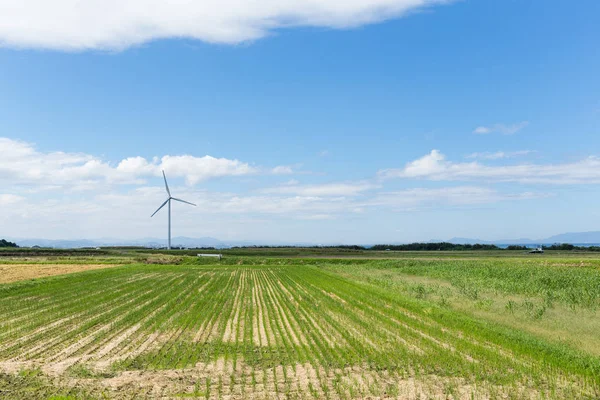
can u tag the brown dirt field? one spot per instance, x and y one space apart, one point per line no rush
20 272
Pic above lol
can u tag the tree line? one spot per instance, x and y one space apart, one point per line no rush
395 247
440 246
567 247
6 243
443 246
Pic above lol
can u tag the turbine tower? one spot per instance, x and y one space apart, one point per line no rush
169 202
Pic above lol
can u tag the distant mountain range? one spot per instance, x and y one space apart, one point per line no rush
573 238
179 241
145 242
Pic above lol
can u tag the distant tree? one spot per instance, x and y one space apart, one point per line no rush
443 246
516 247
342 247
569 247
6 243
564 247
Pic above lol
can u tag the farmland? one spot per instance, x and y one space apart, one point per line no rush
279 325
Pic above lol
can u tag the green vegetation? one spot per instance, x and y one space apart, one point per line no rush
434 246
557 299
576 284
6 243
442 246
516 247
570 247
175 326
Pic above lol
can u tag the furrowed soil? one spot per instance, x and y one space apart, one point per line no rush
263 329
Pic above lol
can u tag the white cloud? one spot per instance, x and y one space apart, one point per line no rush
434 166
482 130
196 169
282 170
327 189
431 164
111 24
501 128
308 206
22 164
209 202
499 154
7 199
447 196
97 215
137 166
83 198
317 217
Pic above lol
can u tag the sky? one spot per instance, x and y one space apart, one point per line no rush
358 121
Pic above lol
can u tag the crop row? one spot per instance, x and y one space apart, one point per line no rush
245 331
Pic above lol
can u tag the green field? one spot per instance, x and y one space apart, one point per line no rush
283 324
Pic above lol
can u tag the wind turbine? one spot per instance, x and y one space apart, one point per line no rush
169 201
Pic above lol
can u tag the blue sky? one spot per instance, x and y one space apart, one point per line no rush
357 122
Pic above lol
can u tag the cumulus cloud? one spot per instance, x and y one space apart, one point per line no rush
196 169
104 203
434 166
501 128
23 164
111 24
137 166
499 154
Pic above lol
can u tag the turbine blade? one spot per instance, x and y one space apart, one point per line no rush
183 201
166 184
161 206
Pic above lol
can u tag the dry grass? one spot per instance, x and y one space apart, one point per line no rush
20 272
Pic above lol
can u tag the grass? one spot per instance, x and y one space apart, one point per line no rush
557 300
263 326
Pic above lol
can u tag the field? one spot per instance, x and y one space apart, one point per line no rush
275 324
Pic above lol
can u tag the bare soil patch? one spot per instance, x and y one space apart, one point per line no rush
213 380
20 272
